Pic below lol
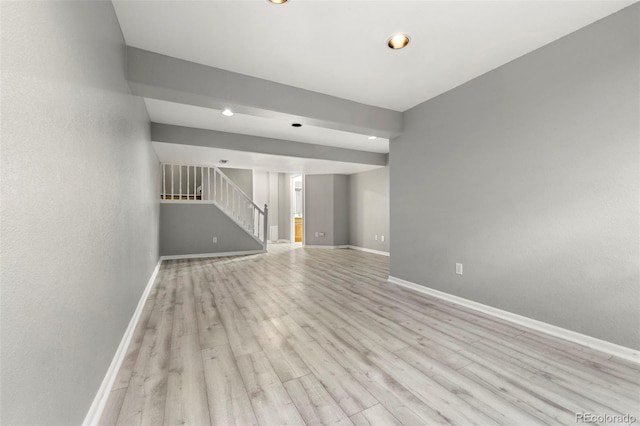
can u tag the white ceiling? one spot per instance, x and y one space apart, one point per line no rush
206 118
196 155
339 47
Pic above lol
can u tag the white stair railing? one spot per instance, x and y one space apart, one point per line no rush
208 183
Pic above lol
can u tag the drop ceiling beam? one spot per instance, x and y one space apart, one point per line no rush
214 139
156 76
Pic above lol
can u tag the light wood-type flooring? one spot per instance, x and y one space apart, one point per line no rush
317 336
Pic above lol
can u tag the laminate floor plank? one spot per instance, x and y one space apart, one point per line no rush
450 405
237 329
144 402
311 336
185 317
270 400
337 315
477 396
211 330
513 389
186 401
229 402
590 395
375 416
350 395
314 402
128 363
620 384
285 361
112 407
207 314
353 356
581 357
543 385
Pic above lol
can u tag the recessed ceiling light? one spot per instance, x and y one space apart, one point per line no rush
278 1
223 161
228 113
296 125
398 41
371 138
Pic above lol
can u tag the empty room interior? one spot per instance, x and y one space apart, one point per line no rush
271 212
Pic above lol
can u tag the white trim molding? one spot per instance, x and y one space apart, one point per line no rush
201 255
325 247
572 336
168 201
100 400
368 250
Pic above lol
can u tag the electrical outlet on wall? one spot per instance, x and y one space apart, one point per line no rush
322 234
458 268
375 237
215 240
382 238
317 234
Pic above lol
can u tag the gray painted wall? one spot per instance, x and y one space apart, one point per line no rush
529 176
274 211
272 188
369 209
241 177
340 210
79 220
326 209
260 188
318 209
189 229
284 206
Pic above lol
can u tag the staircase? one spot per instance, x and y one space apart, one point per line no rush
208 184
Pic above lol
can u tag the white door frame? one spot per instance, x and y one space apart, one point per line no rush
293 207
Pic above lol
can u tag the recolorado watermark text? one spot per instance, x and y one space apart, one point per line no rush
626 419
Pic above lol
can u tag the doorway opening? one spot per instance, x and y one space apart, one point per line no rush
297 209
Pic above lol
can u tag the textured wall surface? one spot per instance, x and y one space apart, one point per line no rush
260 187
326 209
284 206
369 209
318 209
340 210
80 185
529 175
241 177
274 210
190 228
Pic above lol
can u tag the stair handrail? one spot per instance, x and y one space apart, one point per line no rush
250 222
264 213
236 187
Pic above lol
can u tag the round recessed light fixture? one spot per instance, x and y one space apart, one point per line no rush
296 125
277 1
398 41
371 138
228 113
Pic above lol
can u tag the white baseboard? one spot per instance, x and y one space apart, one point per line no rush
572 336
326 247
381 253
200 255
99 402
